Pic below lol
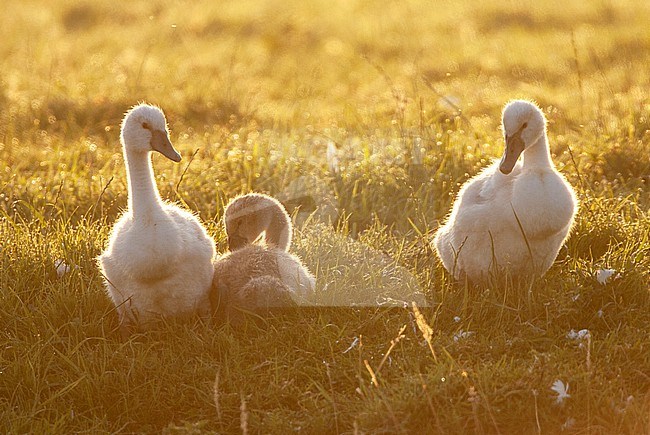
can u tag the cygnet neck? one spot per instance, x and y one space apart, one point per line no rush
279 232
144 198
537 155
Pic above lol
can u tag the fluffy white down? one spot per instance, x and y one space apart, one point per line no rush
482 234
162 266
159 257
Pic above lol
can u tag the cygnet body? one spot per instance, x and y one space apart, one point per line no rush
515 215
158 262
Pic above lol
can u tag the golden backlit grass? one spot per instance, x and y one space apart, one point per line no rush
407 96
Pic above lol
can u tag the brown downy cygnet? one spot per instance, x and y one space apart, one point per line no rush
255 276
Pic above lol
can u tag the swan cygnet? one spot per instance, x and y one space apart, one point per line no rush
159 259
515 215
252 276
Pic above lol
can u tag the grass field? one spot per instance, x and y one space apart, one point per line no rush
369 116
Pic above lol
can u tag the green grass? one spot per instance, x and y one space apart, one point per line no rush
410 94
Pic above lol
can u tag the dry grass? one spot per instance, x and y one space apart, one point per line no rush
409 93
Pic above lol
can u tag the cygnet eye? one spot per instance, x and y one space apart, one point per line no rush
146 125
524 125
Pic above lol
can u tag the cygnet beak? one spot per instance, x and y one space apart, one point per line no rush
160 142
514 147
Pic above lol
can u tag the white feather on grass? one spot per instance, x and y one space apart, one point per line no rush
603 275
61 267
577 335
561 390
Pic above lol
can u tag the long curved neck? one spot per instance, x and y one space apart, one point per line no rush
144 198
279 231
538 155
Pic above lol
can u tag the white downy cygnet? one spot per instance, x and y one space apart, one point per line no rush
515 215
159 258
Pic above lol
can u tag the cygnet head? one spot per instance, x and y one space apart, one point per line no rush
144 129
248 216
523 125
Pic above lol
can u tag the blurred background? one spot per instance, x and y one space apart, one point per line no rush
278 96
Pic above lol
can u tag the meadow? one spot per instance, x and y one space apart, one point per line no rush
364 118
